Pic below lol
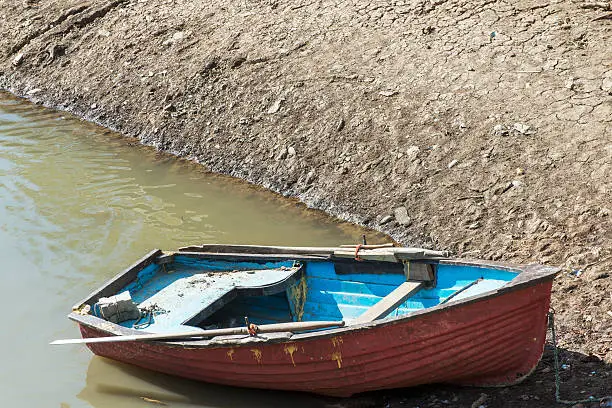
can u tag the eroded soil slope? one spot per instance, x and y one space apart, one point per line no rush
480 126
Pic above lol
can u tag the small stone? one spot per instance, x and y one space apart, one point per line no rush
340 125
170 108
291 151
385 219
387 93
94 105
104 33
275 107
521 128
520 171
18 59
412 152
401 215
453 164
569 84
282 154
500 130
606 84
34 91
517 183
310 177
480 401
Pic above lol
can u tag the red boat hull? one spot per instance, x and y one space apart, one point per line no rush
493 341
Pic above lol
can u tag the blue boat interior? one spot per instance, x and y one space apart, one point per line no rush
186 292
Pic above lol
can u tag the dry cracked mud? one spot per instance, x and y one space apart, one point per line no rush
479 126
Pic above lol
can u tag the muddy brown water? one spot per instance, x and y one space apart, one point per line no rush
78 204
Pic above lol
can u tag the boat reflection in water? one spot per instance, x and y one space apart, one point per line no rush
117 385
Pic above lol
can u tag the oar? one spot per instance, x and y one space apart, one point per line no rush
266 328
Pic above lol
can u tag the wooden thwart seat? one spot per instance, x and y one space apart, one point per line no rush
387 304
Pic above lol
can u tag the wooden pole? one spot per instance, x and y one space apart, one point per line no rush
266 328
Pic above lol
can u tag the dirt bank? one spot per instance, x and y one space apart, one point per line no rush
480 126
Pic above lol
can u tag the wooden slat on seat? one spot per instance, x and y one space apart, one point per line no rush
389 302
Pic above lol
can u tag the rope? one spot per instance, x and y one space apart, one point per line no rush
357 248
591 399
147 313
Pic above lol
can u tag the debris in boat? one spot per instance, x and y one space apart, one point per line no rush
116 309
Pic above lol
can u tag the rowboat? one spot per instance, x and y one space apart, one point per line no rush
331 321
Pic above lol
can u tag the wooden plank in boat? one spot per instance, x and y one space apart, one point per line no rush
189 300
389 302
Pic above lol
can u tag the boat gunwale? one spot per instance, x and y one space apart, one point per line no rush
528 275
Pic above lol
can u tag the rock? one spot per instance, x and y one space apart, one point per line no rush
275 107
517 183
310 177
170 108
387 93
385 219
340 125
606 85
522 128
412 152
34 91
401 215
104 33
178 36
452 164
480 401
94 106
18 59
500 130
282 154
291 151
